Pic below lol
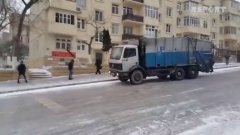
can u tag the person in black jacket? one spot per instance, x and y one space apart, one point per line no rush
70 69
98 66
21 71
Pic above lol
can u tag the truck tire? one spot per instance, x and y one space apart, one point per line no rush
179 74
136 77
192 72
122 79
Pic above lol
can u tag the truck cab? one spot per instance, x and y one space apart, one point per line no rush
123 58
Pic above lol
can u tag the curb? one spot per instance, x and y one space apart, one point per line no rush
72 84
56 86
226 67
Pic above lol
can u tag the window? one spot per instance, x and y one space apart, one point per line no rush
116 53
235 4
179 6
127 30
115 28
228 30
98 37
204 37
115 9
98 15
213 22
168 28
78 47
129 52
188 5
178 21
150 31
63 43
57 17
127 10
81 46
169 11
159 17
213 35
81 24
191 21
151 12
227 17
64 18
58 44
205 25
81 4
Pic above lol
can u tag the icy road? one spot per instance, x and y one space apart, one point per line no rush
209 105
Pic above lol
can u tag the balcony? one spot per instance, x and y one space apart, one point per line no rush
132 18
134 2
231 37
63 4
193 30
62 29
131 36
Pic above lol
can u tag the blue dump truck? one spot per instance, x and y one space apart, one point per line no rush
175 58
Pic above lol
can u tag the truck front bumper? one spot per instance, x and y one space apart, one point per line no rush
116 73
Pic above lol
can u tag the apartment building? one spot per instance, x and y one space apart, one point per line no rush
60 24
229 26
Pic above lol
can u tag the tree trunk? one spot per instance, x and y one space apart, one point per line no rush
90 45
20 25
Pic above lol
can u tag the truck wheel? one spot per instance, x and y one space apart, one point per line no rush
179 74
192 72
122 79
136 77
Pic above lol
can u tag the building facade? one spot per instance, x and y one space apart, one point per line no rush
60 24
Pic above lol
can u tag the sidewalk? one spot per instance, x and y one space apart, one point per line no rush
12 86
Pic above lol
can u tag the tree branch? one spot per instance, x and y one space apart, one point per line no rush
24 2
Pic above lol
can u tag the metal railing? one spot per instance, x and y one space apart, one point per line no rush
132 17
131 36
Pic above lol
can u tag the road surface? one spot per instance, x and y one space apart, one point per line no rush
207 105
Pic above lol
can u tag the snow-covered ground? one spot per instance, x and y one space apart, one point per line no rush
221 123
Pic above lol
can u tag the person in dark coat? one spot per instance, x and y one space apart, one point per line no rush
227 56
98 66
21 71
70 69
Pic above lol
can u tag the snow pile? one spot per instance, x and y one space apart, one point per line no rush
39 73
226 123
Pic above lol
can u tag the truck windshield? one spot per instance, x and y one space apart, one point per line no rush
116 53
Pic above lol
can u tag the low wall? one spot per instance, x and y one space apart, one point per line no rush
6 75
63 71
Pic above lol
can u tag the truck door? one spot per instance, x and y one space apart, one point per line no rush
130 58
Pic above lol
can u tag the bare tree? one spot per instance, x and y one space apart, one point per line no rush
27 6
6 9
97 25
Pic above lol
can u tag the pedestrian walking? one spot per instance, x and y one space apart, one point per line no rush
227 59
98 65
70 69
22 71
